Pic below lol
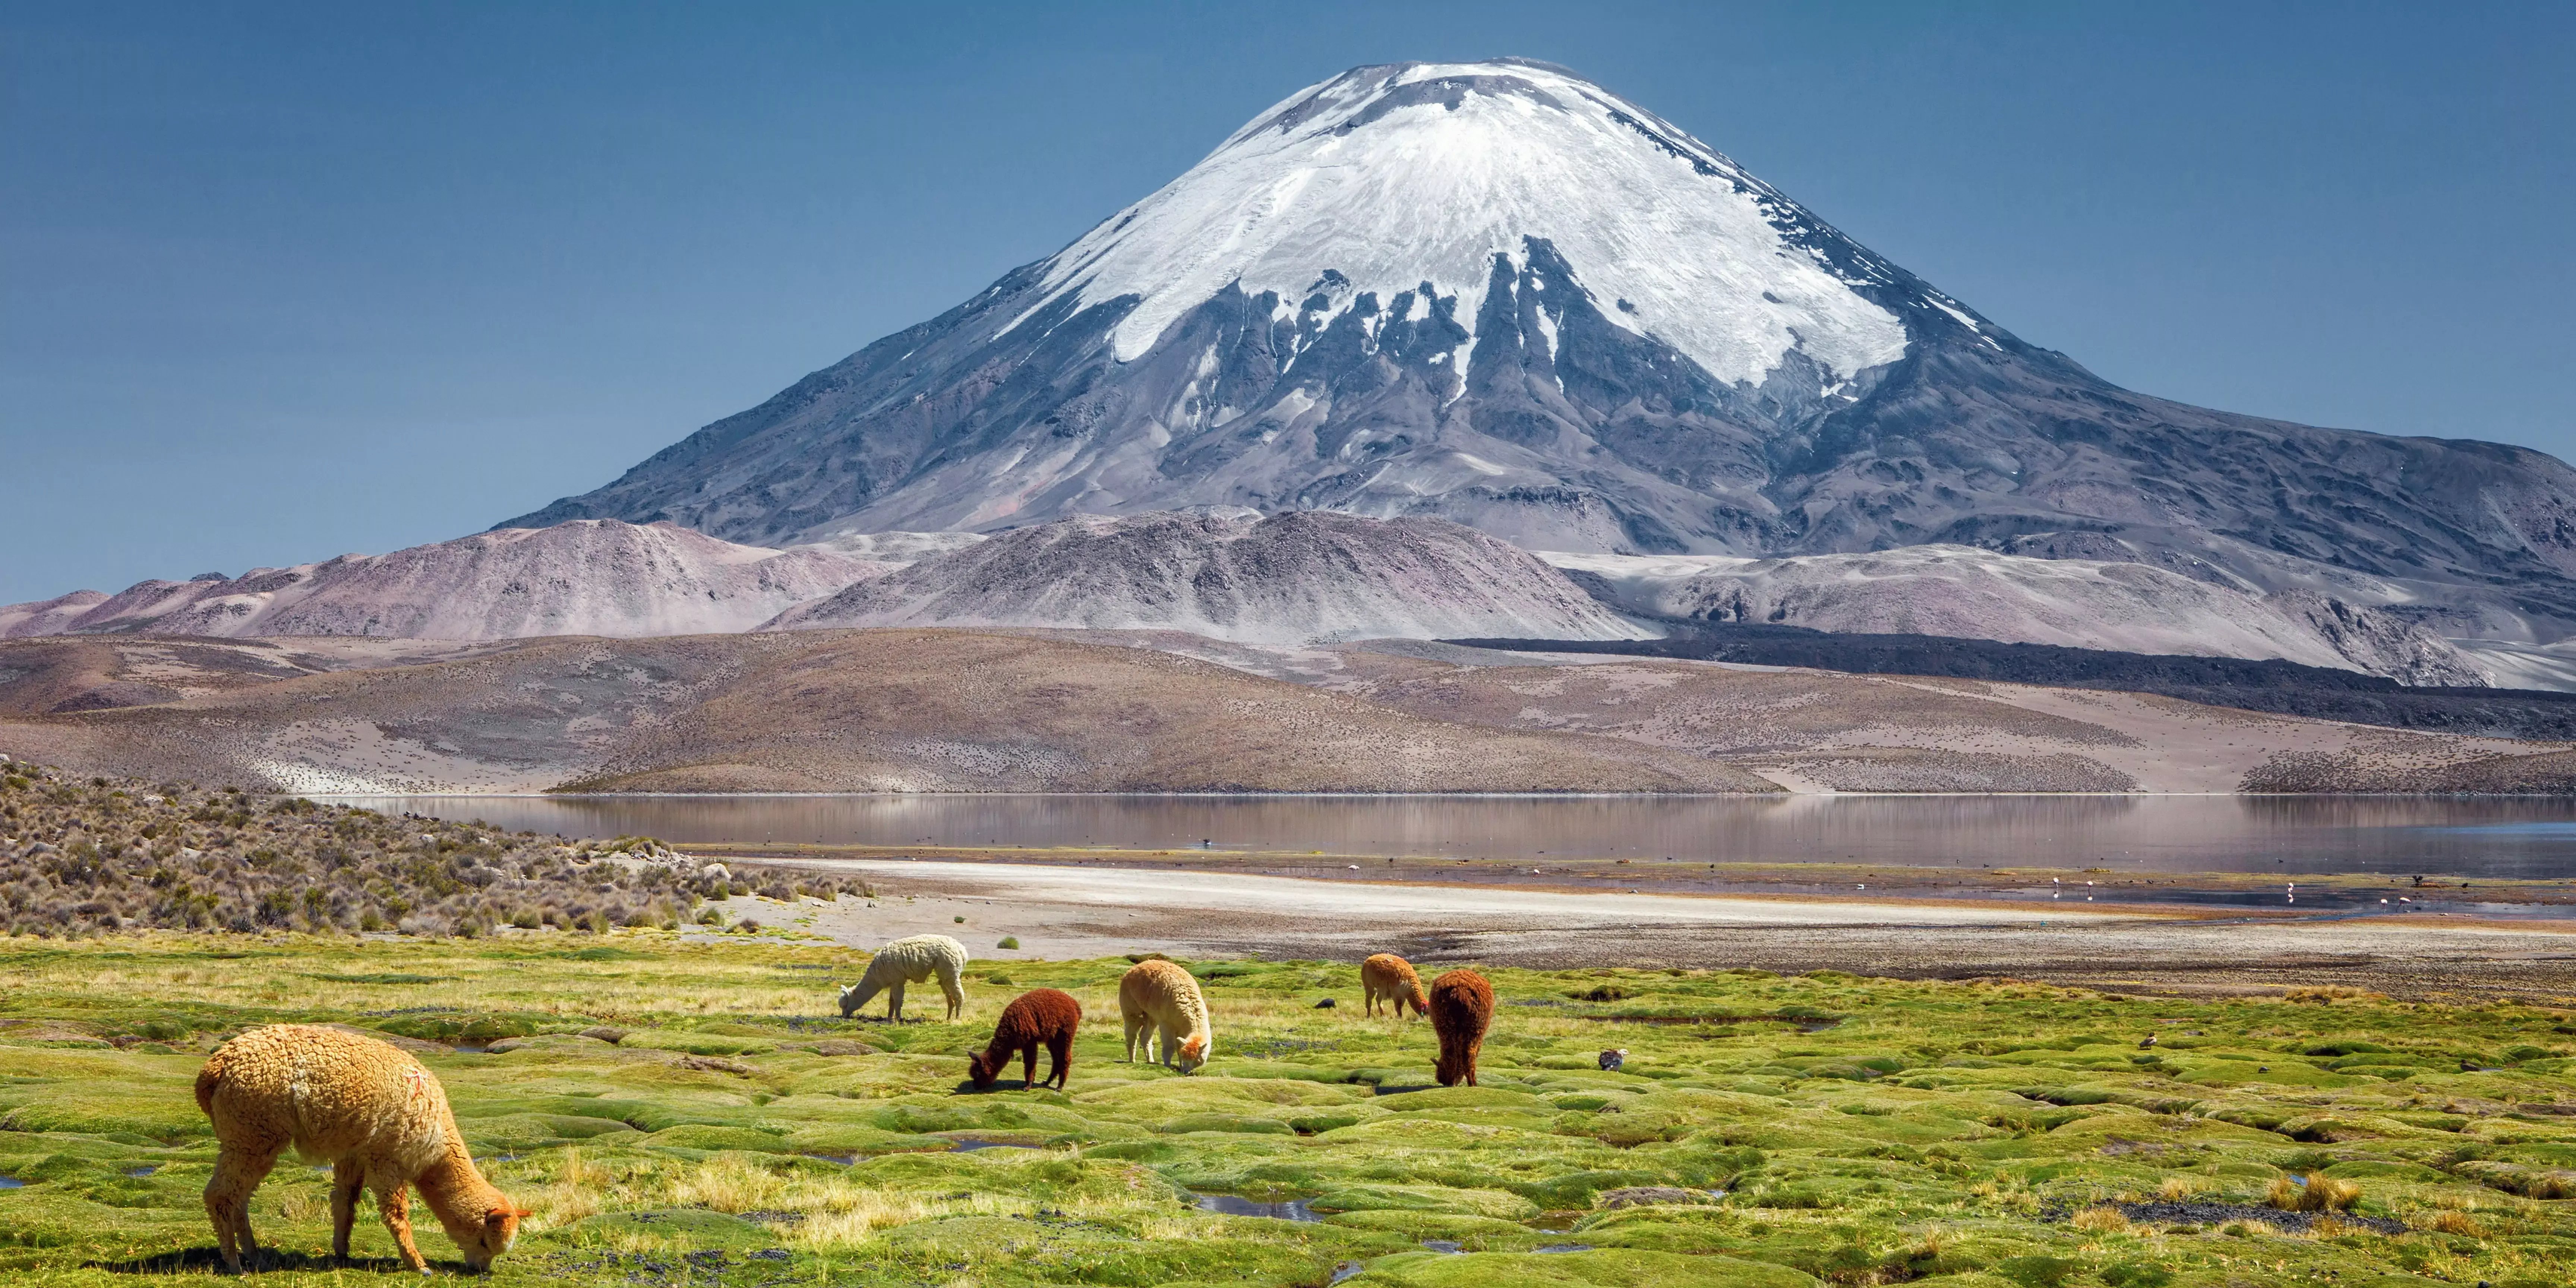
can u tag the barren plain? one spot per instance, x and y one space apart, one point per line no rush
977 710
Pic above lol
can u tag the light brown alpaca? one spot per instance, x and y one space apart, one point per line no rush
381 1120
1390 978
1157 997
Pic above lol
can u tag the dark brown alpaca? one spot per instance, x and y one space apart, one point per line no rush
1040 1017
1462 1008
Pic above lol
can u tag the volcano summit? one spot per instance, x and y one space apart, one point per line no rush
1500 294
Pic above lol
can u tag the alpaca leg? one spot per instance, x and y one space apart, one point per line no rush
393 1202
348 1176
1170 1050
1029 1067
1059 1060
237 1173
956 996
894 1003
1133 1024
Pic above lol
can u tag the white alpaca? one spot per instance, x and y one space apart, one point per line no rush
1159 998
909 961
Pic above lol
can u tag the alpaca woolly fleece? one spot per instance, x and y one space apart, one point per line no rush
1389 978
379 1117
909 961
1158 999
1462 1008
1045 1017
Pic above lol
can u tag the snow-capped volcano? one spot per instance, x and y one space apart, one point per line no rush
1499 294
1415 185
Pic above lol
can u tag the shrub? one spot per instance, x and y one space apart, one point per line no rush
2313 1193
2103 1220
1009 941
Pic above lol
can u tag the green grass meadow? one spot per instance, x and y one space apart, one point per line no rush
1785 1130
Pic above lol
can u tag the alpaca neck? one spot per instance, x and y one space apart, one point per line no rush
456 1191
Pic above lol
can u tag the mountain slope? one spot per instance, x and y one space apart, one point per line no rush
1232 575
591 578
1978 594
46 616
1500 294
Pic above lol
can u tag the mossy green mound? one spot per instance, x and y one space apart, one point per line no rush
1969 1136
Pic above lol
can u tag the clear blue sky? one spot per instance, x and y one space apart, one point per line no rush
279 282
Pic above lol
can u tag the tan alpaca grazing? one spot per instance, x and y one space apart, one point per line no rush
1159 998
1390 978
379 1118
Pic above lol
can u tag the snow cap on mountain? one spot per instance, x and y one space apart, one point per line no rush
1414 179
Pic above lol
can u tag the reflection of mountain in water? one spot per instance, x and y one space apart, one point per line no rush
2509 838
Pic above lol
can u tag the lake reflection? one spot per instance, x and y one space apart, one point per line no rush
2508 837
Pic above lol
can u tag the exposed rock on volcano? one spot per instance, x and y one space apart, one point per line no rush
1977 594
1233 575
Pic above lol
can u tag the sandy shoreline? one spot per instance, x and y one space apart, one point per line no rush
1065 911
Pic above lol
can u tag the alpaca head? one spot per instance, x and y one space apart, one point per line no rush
981 1068
1193 1054
485 1232
500 1229
1445 1071
851 1000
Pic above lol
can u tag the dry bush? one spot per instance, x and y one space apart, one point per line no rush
2455 1222
2103 1220
2176 1189
2321 1193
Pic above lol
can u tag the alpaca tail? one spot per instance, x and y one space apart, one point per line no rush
207 1079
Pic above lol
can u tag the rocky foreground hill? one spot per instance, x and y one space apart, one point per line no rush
84 856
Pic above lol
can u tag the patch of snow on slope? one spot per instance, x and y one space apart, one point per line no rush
1232 574
589 577
1396 175
894 547
1969 593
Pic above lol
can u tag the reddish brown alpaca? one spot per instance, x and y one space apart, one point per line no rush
1040 1017
1389 978
1462 1008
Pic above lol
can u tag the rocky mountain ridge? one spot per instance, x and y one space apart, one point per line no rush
597 577
1967 593
1236 575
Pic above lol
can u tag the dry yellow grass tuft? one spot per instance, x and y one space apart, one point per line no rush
2103 1220
2456 1222
2314 1193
